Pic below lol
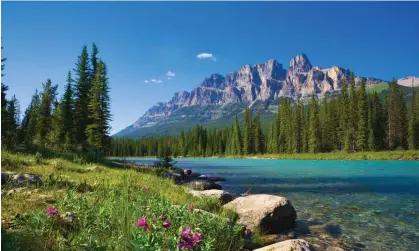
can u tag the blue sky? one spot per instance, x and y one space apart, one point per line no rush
142 41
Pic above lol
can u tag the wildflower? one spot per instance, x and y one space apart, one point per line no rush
186 232
163 217
190 207
167 224
142 222
52 211
145 189
189 241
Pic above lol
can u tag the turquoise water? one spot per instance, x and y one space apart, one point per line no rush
360 205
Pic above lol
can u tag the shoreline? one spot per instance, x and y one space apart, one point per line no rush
412 155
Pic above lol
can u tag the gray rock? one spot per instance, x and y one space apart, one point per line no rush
202 185
69 217
288 245
33 179
19 178
268 213
4 178
93 168
221 195
170 175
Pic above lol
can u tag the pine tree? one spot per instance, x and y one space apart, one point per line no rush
248 144
413 123
66 115
9 137
314 126
362 129
258 135
105 103
344 117
95 130
30 121
44 125
353 114
397 121
298 130
372 146
82 90
236 141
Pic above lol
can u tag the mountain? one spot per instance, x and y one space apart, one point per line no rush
219 98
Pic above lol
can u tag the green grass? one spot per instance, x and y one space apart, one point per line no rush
107 202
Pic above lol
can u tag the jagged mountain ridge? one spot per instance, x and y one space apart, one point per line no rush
264 82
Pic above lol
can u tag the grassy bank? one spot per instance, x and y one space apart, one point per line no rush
107 200
384 155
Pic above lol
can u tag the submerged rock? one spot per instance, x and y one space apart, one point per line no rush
221 195
288 245
210 178
202 185
268 213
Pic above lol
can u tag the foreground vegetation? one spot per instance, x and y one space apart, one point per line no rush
116 209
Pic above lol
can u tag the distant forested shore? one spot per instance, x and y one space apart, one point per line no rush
351 125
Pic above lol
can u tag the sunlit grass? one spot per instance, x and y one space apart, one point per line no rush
108 201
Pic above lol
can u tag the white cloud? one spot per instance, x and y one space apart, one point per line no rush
170 74
146 81
169 78
206 56
158 81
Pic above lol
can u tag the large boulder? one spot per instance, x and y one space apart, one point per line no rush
267 213
288 245
202 185
221 195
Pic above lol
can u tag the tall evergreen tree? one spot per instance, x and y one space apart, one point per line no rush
30 120
82 90
248 144
298 130
66 119
236 147
362 127
344 105
353 114
9 137
413 123
258 135
314 126
397 121
44 126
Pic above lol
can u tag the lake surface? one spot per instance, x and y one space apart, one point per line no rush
363 205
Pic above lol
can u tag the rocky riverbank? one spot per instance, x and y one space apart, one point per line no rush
271 217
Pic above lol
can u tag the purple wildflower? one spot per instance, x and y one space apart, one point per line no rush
189 241
167 224
163 217
52 211
190 207
142 222
145 189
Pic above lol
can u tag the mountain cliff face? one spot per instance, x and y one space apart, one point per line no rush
266 82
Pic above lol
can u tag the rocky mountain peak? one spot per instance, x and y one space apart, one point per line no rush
213 81
300 64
